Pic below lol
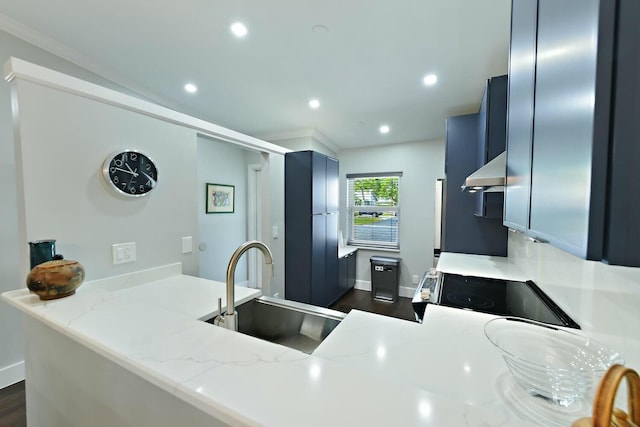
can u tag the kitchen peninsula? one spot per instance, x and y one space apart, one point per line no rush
142 355
133 350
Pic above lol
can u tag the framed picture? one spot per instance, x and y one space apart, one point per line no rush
220 198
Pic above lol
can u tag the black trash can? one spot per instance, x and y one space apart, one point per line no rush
384 278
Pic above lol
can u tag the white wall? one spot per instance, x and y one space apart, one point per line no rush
151 249
222 163
273 216
421 164
11 350
63 141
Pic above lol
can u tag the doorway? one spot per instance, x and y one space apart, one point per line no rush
254 225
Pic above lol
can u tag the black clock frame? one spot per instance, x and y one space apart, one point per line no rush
124 173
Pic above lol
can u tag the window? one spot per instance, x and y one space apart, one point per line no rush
373 213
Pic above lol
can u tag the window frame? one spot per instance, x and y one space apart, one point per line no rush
351 208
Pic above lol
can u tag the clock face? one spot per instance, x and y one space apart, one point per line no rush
130 173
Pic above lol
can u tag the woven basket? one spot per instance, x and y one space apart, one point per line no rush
604 414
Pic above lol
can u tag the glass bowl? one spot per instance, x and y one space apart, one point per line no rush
553 363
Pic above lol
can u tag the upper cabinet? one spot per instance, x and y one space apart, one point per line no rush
572 145
462 231
492 119
522 66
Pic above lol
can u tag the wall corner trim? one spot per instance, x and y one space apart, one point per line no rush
18 68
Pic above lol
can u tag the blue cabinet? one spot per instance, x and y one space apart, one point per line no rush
573 133
492 128
462 231
347 272
524 14
311 222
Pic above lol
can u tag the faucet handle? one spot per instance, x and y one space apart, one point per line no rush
219 319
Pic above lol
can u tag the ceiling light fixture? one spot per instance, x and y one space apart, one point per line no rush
384 129
191 88
239 30
430 79
314 104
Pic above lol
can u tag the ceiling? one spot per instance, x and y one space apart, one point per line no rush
365 63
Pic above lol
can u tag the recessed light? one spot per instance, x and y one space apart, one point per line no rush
430 79
191 88
384 129
314 103
239 30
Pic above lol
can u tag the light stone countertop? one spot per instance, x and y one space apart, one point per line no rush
345 250
148 324
448 353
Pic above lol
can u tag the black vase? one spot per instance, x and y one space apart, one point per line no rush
41 251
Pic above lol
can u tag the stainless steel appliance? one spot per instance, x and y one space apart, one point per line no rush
487 295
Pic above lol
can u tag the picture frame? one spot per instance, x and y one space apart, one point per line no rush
220 198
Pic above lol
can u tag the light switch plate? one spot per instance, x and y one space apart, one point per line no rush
187 245
123 252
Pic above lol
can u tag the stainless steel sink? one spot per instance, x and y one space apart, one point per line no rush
292 324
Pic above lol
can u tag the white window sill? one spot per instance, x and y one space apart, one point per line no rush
373 249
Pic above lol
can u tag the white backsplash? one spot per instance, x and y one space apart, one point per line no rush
603 299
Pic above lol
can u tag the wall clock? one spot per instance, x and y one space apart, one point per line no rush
130 173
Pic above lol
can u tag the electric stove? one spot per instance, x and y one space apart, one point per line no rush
494 296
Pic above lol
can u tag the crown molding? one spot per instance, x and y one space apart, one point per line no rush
324 140
16 69
284 135
300 133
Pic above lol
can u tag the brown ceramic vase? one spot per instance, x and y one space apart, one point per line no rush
55 279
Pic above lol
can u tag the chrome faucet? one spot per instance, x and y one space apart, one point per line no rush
229 319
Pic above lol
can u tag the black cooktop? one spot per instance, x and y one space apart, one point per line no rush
501 297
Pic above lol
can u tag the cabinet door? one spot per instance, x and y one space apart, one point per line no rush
624 203
320 293
319 183
351 270
343 271
333 185
331 254
492 126
564 123
520 112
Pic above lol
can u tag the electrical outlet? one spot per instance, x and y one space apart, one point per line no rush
415 279
123 252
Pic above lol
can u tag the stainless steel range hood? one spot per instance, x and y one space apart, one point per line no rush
490 177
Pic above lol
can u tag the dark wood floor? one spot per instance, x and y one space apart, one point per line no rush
12 398
12 406
361 300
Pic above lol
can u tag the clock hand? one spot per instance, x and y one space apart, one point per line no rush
131 170
124 170
153 181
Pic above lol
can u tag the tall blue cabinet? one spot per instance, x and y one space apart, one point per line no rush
311 221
